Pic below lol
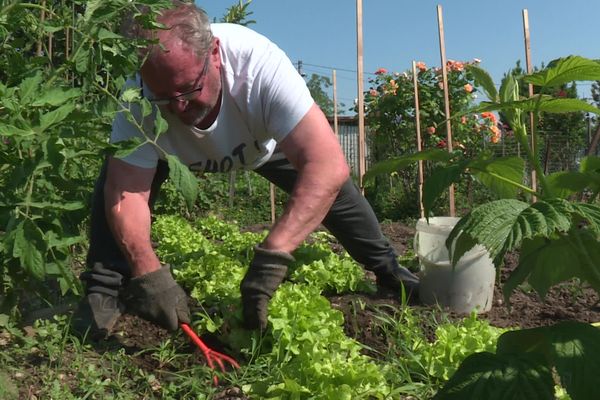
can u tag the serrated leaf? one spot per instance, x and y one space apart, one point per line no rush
590 164
545 262
55 116
564 70
56 96
29 246
9 130
509 91
104 34
131 94
501 226
160 125
497 376
491 225
396 164
564 183
81 60
52 29
497 174
29 87
438 181
65 242
124 148
566 105
571 347
183 180
483 79
590 213
537 103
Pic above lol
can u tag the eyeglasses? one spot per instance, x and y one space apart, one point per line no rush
184 98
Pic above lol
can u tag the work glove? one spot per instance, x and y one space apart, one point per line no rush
267 270
158 298
391 275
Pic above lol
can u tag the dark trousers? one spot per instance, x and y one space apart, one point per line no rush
351 220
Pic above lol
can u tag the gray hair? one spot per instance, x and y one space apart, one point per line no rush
184 21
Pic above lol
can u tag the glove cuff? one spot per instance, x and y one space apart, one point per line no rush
282 256
155 280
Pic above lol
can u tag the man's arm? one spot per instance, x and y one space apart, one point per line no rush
314 151
126 195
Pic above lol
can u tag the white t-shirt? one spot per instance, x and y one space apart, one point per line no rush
263 99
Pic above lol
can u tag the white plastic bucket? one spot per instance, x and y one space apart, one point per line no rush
467 287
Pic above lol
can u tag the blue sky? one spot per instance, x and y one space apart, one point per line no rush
323 33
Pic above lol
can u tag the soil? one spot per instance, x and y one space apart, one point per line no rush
568 301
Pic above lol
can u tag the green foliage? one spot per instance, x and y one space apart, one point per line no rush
390 114
559 237
317 85
57 106
238 14
455 342
55 112
521 367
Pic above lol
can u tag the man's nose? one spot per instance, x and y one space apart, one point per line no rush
178 106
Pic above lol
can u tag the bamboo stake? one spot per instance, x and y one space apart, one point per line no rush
272 196
419 144
360 105
446 99
530 87
335 110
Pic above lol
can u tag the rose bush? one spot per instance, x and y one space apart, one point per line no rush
390 116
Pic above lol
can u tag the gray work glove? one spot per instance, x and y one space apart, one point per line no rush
267 270
158 298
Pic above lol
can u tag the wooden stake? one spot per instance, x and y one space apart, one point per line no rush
360 105
42 19
335 110
531 118
446 100
272 195
418 129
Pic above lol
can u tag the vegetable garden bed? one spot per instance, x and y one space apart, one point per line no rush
408 351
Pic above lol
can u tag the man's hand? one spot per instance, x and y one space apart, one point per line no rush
267 270
156 296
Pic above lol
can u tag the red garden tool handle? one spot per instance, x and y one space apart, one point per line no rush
210 355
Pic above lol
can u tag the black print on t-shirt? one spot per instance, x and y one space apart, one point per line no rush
226 163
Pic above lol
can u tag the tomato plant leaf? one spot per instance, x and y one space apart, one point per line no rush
183 179
55 116
29 246
66 206
160 125
124 148
56 96
29 86
81 60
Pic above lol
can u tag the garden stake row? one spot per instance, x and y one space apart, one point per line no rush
210 355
